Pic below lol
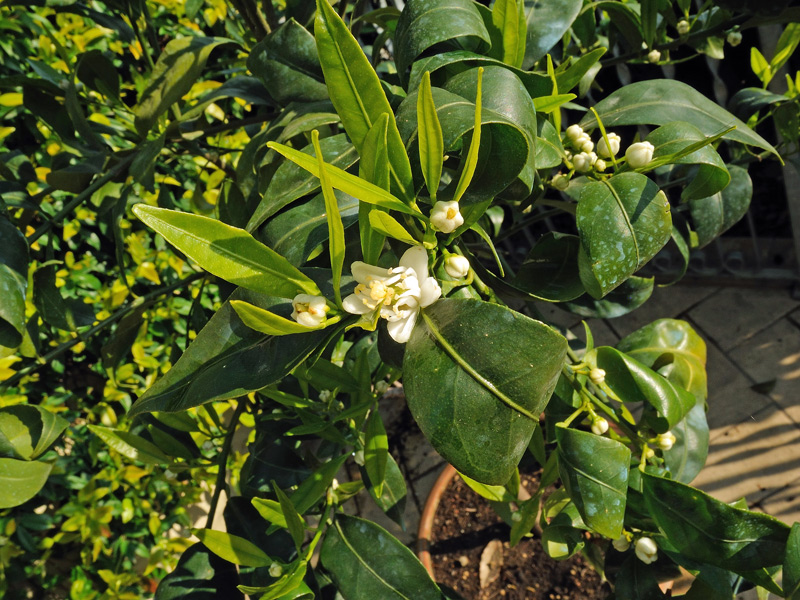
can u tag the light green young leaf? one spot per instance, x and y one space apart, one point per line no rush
509 17
760 66
472 156
131 445
373 167
547 104
431 143
387 225
376 451
493 493
268 322
287 586
786 46
233 548
21 480
294 522
336 243
271 511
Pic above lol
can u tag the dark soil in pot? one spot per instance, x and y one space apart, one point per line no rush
463 526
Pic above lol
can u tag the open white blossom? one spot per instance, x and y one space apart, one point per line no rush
397 293
446 217
610 149
309 310
639 154
457 266
646 550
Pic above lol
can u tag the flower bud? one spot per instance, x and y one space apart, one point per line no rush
275 570
603 148
622 543
457 266
646 550
586 145
516 516
665 441
381 387
683 27
446 217
597 376
325 396
309 310
648 452
599 165
560 182
639 154
734 38
599 426
574 132
582 162
653 56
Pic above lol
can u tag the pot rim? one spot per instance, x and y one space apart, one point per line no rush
426 520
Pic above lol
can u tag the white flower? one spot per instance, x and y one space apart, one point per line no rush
734 38
654 56
583 161
560 182
574 132
457 266
622 543
446 217
599 165
398 293
613 142
646 550
665 441
599 426
683 27
597 376
639 154
309 310
275 570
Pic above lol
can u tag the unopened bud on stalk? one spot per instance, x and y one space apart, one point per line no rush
599 165
683 27
665 441
560 182
275 570
599 426
653 56
583 161
734 38
639 154
457 266
646 550
622 543
574 132
613 142
597 376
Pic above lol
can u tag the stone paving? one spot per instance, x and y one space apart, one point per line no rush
753 341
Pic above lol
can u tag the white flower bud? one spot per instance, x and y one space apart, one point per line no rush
325 396
275 570
666 441
639 154
599 165
574 132
334 483
597 376
622 543
734 38
381 387
599 426
560 182
654 56
587 146
309 310
582 162
457 266
568 154
683 27
603 148
446 217
648 452
646 550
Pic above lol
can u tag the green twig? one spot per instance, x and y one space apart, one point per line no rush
222 462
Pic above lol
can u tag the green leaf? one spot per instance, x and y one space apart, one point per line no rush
710 531
286 61
131 445
629 296
366 562
760 66
509 17
477 377
791 564
634 382
550 270
294 522
268 322
199 575
637 581
180 65
312 489
547 23
661 101
27 431
549 150
233 548
493 493
570 77
228 360
748 101
376 451
228 252
716 214
424 24
59 312
623 222
336 243
285 587
13 286
563 536
471 161
357 94
271 511
711 176
687 457
429 131
548 104
373 167
594 470
21 480
387 225
393 496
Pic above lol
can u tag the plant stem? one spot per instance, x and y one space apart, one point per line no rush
222 462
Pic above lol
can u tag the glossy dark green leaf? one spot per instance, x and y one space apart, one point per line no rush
716 214
549 150
748 101
98 72
234 549
21 480
634 382
27 431
56 310
393 496
312 489
550 270
547 22
13 286
366 563
661 101
467 366
624 19
119 343
711 175
637 581
791 564
710 531
227 360
199 575
623 222
286 61
228 252
131 445
572 75
674 349
628 296
424 24
687 457
594 470
357 94
178 68
291 181
563 536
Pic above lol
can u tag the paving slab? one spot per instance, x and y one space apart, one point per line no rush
783 504
732 316
603 334
753 459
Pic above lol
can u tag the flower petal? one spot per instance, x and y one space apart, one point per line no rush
401 329
430 292
416 258
354 305
364 273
